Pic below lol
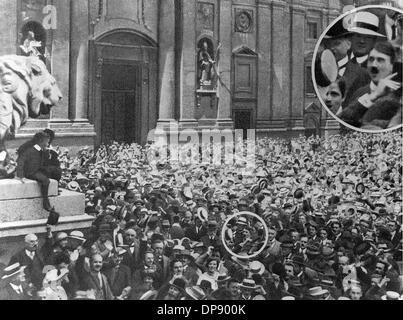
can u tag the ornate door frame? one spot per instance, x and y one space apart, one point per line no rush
139 51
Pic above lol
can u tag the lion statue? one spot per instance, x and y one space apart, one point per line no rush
27 89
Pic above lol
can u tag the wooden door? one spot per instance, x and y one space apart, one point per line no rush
243 120
120 112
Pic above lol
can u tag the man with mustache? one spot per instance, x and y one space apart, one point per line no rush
380 99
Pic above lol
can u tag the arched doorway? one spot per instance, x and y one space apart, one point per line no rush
124 85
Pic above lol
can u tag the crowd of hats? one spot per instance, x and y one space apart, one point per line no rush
305 186
349 179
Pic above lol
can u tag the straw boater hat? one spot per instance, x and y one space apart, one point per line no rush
202 214
317 291
85 295
12 271
242 221
256 267
196 293
391 295
223 278
248 284
77 235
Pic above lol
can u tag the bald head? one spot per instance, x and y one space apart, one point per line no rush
31 242
30 237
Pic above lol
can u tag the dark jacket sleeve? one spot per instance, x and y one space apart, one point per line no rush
142 249
20 165
363 277
47 248
355 111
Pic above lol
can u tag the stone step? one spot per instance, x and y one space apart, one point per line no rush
68 203
22 228
14 189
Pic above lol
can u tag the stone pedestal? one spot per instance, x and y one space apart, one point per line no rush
21 211
15 190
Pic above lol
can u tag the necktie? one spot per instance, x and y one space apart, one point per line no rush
100 280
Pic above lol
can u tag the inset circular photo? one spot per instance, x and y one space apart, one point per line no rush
357 69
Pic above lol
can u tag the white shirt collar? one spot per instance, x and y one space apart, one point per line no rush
100 279
360 60
30 254
37 147
16 288
372 86
342 62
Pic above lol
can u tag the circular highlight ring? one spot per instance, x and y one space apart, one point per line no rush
248 213
313 68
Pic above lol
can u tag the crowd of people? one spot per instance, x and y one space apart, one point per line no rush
362 83
310 219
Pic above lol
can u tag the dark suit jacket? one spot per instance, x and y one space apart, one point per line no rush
119 278
354 112
33 270
383 109
30 162
51 158
191 275
90 282
397 237
356 77
193 235
132 260
165 267
215 242
8 293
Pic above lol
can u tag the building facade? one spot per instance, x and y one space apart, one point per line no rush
126 67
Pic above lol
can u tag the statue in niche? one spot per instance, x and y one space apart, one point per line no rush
30 46
206 63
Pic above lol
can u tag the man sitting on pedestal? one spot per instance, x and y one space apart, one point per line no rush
31 165
52 163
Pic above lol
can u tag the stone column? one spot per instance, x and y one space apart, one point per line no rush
280 48
79 62
60 59
298 68
167 62
225 31
264 63
186 60
8 27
